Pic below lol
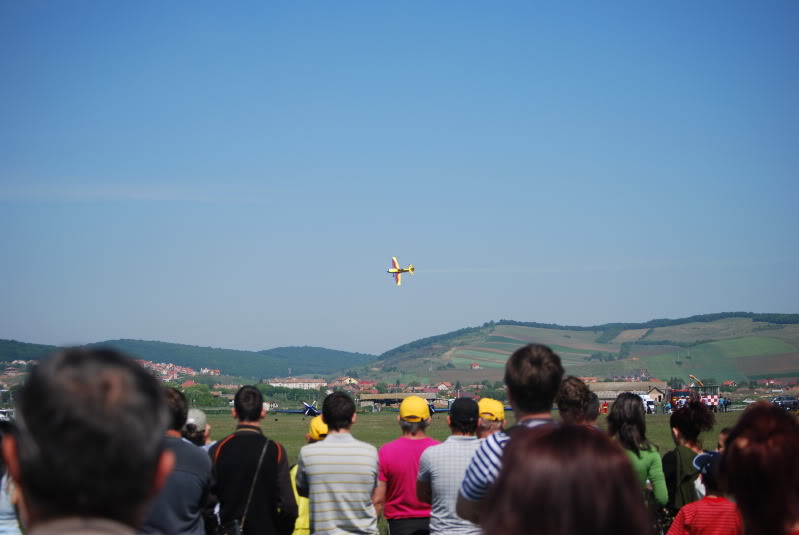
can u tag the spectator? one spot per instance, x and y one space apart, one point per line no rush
252 473
442 467
180 506
492 417
760 469
722 441
197 430
712 515
572 399
340 473
627 424
317 430
565 480
686 424
399 464
9 524
592 412
89 448
532 375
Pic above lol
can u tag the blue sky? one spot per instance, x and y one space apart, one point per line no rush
239 175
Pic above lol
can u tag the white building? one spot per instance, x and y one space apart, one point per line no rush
298 382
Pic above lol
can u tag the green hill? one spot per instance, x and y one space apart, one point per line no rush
726 346
268 363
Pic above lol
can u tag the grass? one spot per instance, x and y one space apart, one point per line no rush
753 345
380 428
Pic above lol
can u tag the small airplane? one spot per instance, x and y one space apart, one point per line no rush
397 271
307 410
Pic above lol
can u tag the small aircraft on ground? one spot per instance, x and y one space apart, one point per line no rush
307 410
396 271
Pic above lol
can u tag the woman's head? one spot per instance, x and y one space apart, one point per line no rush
627 422
565 479
689 421
760 468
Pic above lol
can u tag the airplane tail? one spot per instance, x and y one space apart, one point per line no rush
411 269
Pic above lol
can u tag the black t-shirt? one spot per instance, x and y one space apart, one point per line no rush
273 509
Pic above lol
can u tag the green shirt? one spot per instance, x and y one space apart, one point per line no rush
648 466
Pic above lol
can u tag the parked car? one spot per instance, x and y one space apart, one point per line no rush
786 402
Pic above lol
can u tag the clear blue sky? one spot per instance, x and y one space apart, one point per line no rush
239 174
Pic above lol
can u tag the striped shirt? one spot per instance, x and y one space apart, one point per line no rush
443 468
339 475
712 515
486 463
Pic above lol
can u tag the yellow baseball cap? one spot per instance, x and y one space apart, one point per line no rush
318 428
491 409
414 409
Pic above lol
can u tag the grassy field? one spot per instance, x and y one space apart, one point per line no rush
377 429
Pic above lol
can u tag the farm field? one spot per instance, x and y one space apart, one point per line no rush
380 428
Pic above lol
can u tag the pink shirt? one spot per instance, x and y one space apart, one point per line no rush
398 466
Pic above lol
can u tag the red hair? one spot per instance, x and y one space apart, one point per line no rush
760 468
563 480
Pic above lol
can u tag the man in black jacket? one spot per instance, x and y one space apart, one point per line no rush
270 508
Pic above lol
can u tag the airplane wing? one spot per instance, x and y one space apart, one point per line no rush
283 411
395 262
398 278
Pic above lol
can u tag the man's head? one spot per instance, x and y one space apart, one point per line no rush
196 430
592 413
414 415
533 375
248 405
338 411
492 417
722 441
90 441
178 408
573 398
463 416
317 430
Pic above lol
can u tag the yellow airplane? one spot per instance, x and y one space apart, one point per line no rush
397 271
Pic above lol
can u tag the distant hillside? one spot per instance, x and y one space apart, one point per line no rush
735 346
269 363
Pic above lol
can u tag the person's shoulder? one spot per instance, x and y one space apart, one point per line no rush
192 453
364 445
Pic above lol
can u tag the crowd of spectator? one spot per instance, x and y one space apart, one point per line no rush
100 447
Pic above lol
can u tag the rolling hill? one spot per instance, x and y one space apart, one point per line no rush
269 363
727 346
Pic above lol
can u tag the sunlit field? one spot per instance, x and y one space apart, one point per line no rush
379 428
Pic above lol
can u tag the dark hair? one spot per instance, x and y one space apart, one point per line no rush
572 399
249 404
178 408
565 479
337 411
464 413
627 422
533 375
194 434
91 426
414 427
760 469
691 420
592 412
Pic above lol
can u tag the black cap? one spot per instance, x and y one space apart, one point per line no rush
464 411
708 465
